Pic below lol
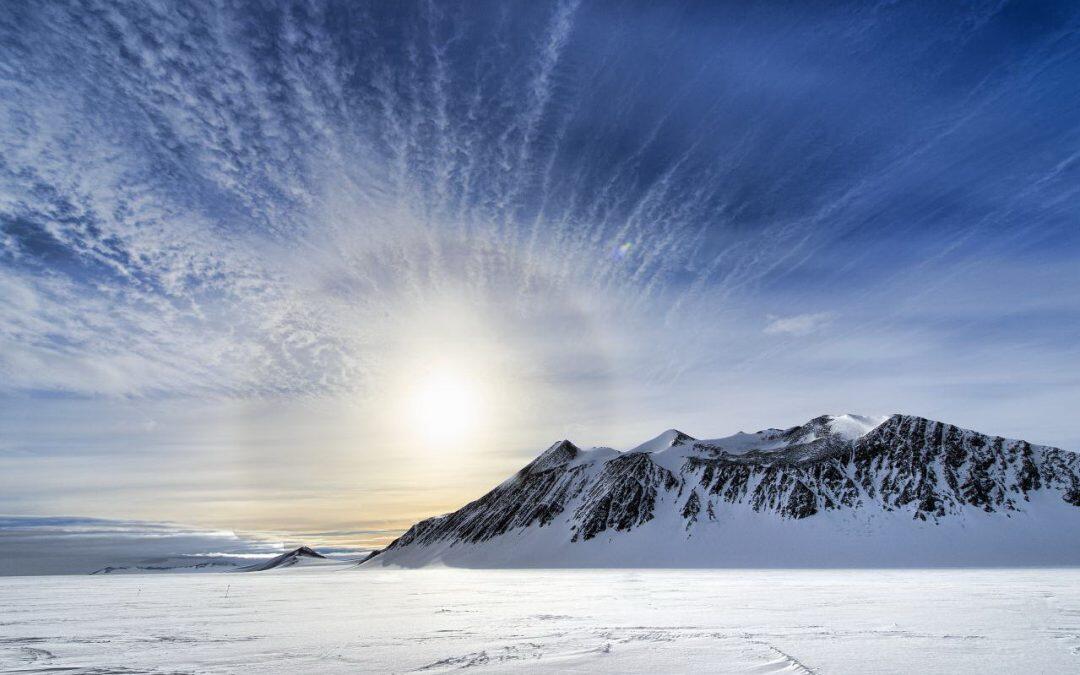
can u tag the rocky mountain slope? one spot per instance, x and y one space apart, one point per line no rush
838 490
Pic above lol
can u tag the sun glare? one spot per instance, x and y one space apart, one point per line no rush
445 407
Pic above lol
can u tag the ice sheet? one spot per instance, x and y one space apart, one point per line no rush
838 621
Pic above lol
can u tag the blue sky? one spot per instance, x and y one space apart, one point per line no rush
234 238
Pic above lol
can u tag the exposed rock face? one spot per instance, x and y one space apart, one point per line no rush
905 464
623 496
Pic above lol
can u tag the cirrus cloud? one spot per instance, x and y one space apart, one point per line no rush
798 324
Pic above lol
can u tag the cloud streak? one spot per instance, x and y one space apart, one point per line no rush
799 324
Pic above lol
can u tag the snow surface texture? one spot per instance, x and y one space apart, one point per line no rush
585 621
838 491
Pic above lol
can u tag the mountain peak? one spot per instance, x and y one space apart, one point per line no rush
289 559
849 426
665 440
306 551
557 455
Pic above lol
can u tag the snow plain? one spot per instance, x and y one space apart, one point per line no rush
322 619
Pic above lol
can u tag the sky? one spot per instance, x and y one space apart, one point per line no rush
320 270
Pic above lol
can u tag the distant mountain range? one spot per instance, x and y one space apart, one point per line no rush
301 557
841 490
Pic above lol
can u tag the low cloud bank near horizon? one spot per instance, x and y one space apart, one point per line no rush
47 545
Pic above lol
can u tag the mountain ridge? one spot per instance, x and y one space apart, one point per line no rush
855 470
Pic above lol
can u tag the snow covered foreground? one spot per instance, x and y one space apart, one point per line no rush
320 619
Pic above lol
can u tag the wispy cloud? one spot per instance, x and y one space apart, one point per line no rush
798 324
226 230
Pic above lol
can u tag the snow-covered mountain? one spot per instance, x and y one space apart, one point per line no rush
298 557
837 491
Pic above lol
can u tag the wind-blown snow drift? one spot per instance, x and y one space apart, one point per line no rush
837 491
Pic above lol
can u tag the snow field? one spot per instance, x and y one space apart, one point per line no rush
586 621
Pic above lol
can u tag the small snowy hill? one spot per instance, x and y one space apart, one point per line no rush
302 556
170 565
841 490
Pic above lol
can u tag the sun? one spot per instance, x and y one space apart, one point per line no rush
444 406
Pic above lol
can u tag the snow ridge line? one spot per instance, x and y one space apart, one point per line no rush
794 661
